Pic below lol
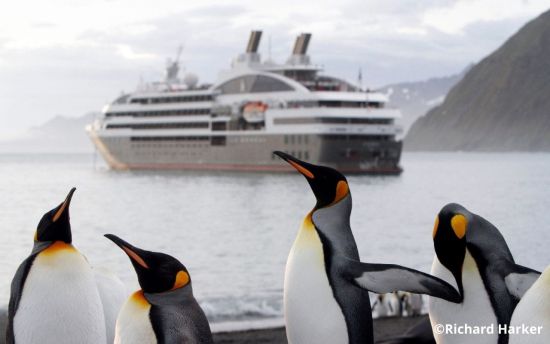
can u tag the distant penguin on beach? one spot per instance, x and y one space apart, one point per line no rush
387 305
326 297
472 255
54 298
411 304
164 310
530 322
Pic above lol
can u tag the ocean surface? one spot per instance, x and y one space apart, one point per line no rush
234 231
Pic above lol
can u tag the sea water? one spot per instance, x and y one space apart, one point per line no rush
233 231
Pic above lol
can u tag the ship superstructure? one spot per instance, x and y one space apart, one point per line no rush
253 108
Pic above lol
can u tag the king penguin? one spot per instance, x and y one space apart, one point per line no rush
164 310
533 311
113 295
326 297
54 298
473 256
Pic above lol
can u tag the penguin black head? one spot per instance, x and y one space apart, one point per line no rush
55 224
328 185
157 272
449 235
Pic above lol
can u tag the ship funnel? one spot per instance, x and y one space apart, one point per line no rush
299 53
250 58
301 44
253 42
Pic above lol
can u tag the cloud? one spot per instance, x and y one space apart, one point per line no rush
68 58
129 53
409 30
455 18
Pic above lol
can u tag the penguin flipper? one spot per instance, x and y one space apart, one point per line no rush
520 280
17 285
387 278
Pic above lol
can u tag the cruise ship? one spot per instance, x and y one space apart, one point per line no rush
254 108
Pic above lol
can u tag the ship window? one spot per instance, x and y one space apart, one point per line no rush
253 84
181 99
203 125
182 112
139 100
169 138
218 141
219 125
327 83
122 99
331 120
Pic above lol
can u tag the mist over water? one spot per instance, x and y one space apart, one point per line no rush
234 231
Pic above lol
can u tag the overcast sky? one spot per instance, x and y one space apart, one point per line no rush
69 57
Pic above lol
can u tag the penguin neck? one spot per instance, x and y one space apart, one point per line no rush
333 225
170 297
40 246
487 243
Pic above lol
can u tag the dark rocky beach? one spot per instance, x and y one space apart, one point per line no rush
383 328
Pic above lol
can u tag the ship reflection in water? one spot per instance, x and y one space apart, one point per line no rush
254 108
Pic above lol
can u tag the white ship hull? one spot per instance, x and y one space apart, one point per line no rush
249 153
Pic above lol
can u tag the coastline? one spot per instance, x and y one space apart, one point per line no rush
383 328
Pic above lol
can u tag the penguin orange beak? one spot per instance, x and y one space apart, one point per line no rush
133 252
303 167
63 206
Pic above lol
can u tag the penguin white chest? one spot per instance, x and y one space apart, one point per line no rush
475 310
133 324
312 314
113 295
60 302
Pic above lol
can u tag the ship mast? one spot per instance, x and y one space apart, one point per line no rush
173 68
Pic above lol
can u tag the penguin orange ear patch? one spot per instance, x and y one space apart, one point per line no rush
182 279
135 257
342 190
436 226
459 223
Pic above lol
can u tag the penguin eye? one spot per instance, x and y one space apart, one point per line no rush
459 223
